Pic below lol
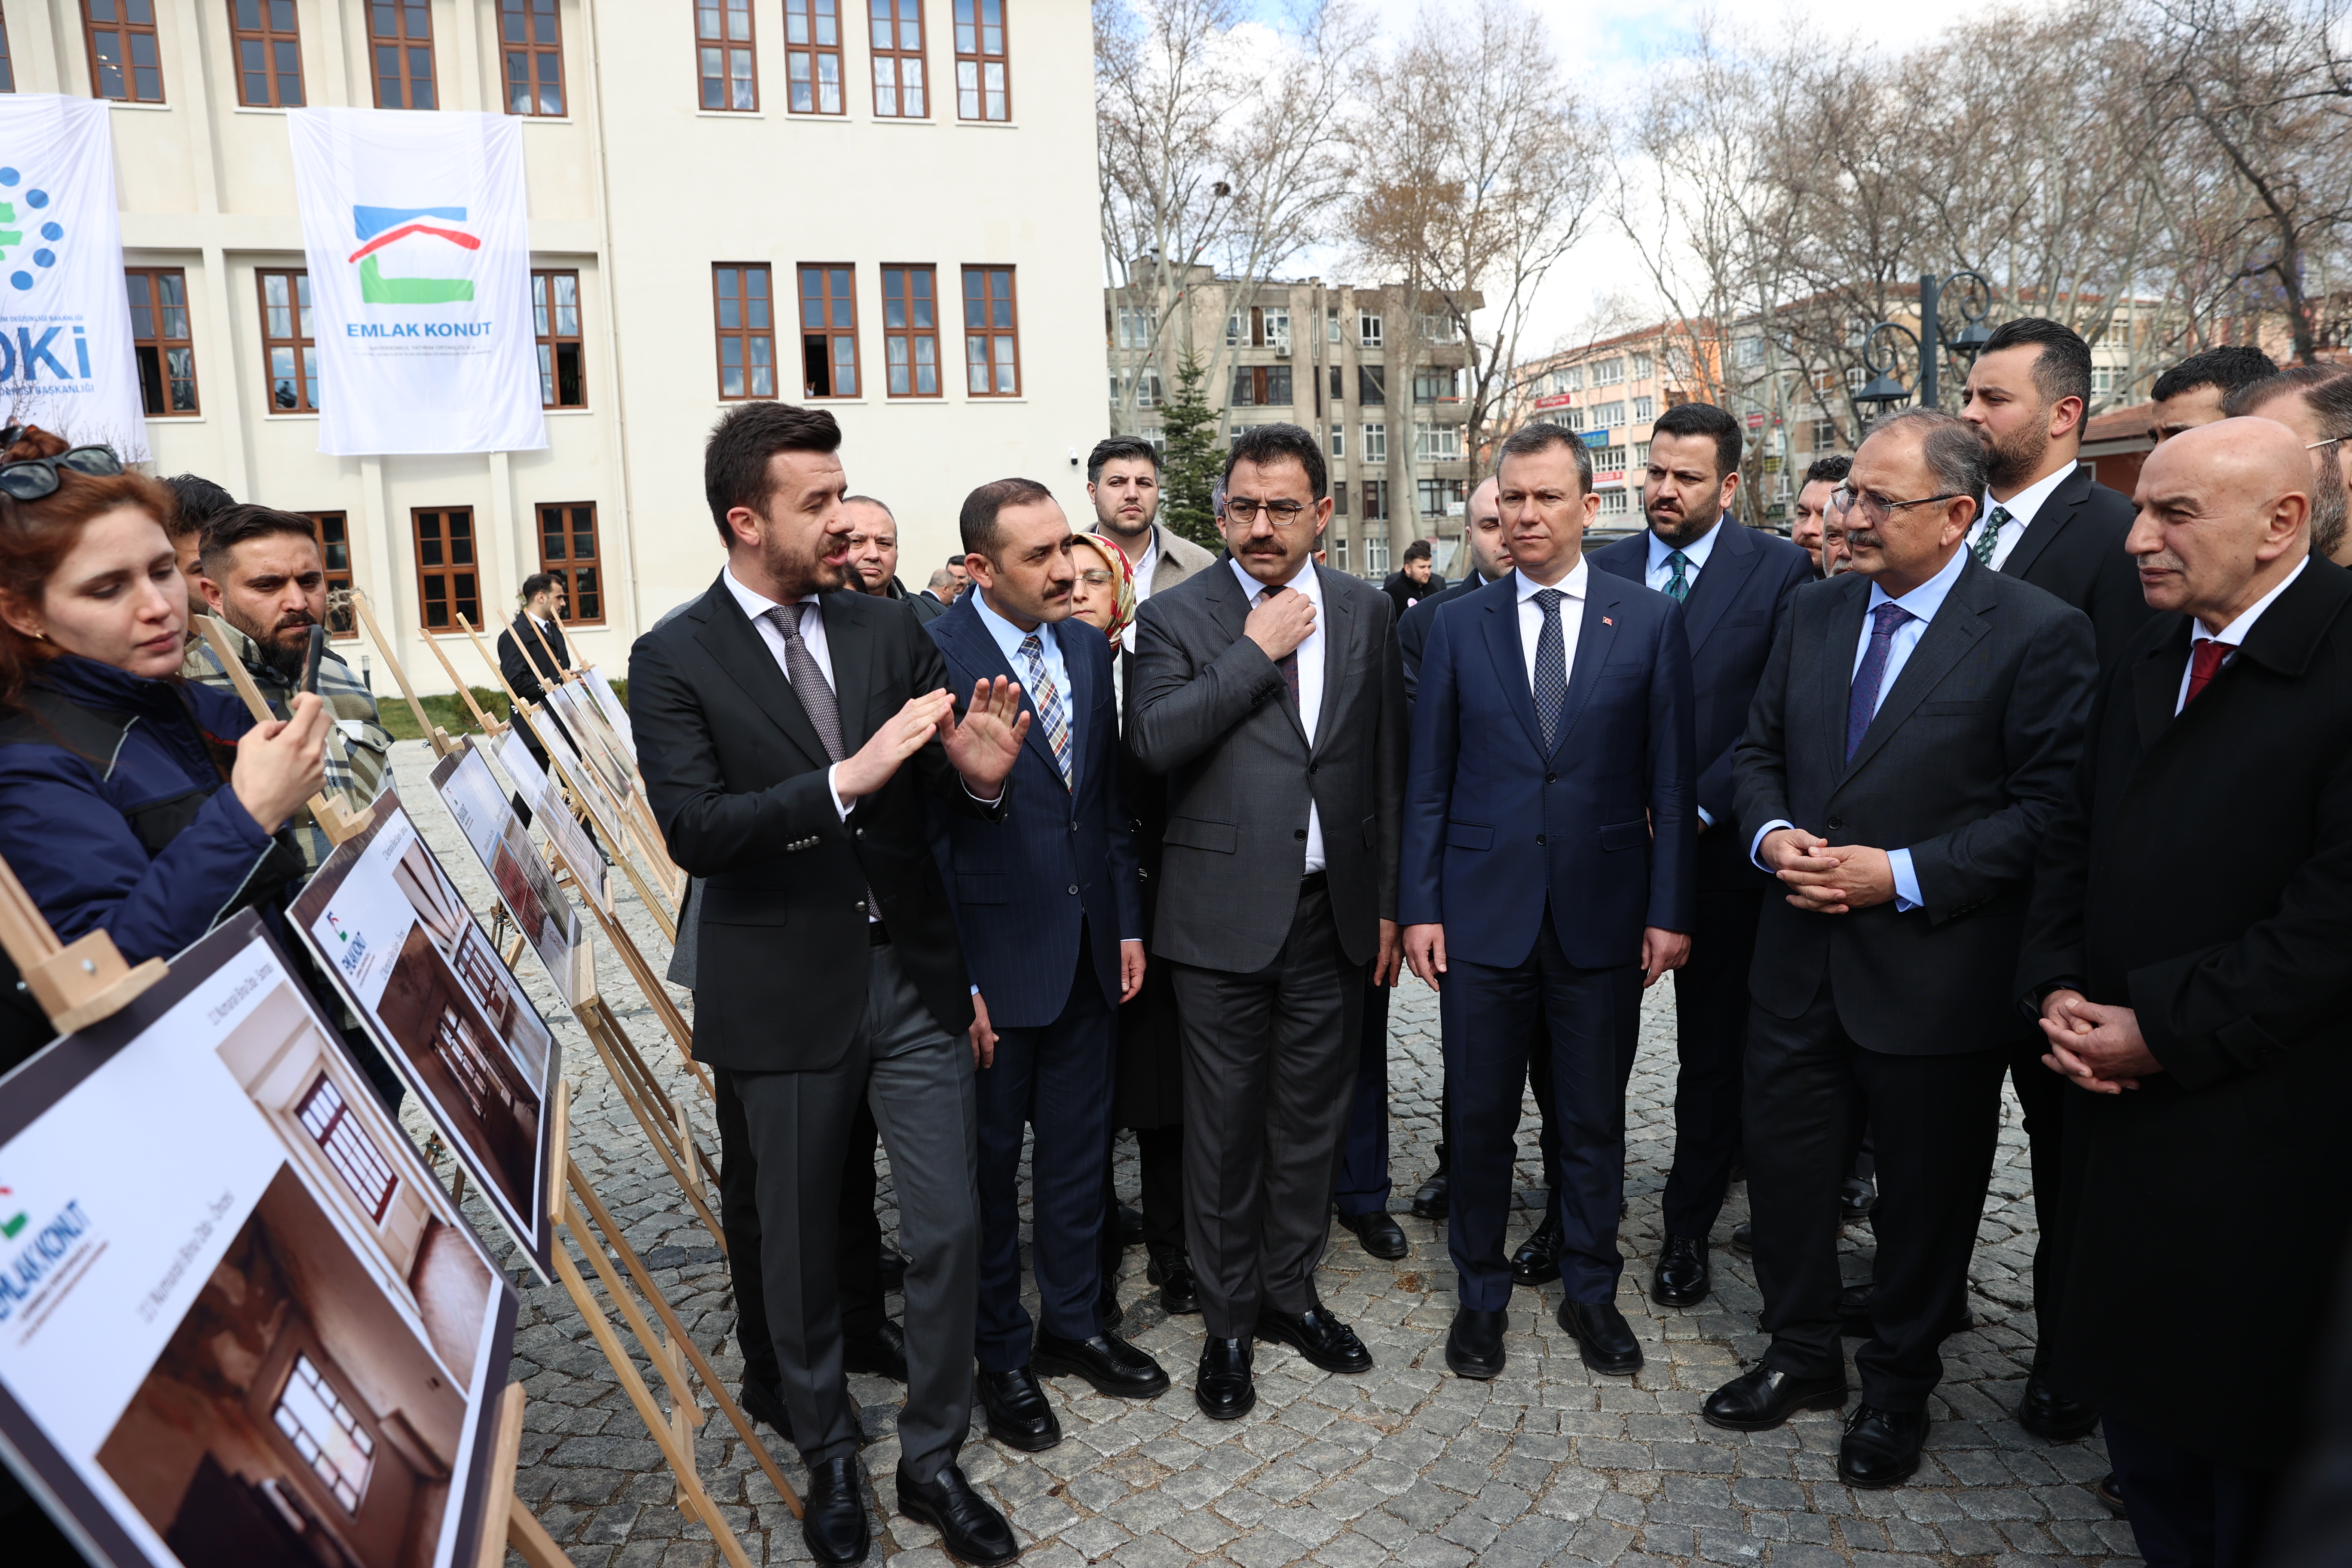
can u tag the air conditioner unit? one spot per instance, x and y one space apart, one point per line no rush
1282 349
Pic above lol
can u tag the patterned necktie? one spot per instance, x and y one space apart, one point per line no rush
1552 668
815 693
1288 663
1048 703
1678 586
1862 703
2205 661
1988 537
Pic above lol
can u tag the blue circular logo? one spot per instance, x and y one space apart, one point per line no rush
13 231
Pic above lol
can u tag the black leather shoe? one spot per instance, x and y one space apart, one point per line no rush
1428 1198
884 1355
1170 1268
1380 1234
761 1402
893 1267
833 1516
1109 1313
1761 1398
1854 1315
1474 1346
1110 1363
1537 1262
2051 1415
1683 1278
1131 1227
1743 1240
1856 1197
1018 1415
970 1530
1880 1448
1603 1337
2103 1488
1316 1335
1221 1385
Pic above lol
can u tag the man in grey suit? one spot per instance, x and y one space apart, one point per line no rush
1269 691
1123 481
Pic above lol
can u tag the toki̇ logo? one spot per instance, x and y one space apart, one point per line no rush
15 224
380 228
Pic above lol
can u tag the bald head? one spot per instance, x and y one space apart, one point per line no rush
1490 549
2224 515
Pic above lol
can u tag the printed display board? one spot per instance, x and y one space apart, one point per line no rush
526 887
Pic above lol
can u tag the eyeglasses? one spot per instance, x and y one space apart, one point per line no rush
1096 578
1876 509
1242 513
2315 445
37 476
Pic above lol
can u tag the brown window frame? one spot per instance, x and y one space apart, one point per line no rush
806 53
326 1115
979 57
837 286
586 606
886 45
304 347
449 569
276 46
7 61
120 26
740 334
404 48
541 46
332 532
988 332
160 343
901 340
726 45
546 327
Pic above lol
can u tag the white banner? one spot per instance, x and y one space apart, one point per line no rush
66 362
419 243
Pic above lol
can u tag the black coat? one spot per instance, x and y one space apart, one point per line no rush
1968 758
2075 549
2200 872
523 661
1404 592
1151 1065
1412 634
736 775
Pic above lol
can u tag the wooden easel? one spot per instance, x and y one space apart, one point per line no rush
331 812
438 737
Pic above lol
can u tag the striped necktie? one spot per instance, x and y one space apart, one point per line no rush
1048 703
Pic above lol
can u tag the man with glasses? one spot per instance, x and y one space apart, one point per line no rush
1268 689
1914 734
2315 400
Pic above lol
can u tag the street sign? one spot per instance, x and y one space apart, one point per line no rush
1556 400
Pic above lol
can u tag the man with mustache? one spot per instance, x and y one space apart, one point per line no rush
2315 400
264 578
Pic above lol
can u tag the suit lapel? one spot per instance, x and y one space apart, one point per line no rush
1229 603
2055 514
740 650
1729 566
1502 619
1596 633
850 648
1955 629
1341 627
2156 686
1837 669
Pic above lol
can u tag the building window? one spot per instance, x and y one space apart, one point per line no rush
1339 382
160 340
1435 386
1339 502
1616 503
1134 328
1441 498
1605 415
567 547
1376 545
1338 440
1376 447
1437 443
555 319
1572 378
1262 385
399 34
333 531
1645 410
326 1117
124 61
1575 418
1331 324
1372 384
285 342
812 56
1368 329
982 91
722 31
899 90
991 343
1640 367
1826 435
747 332
314 1418
532 38
446 585
1437 329
1609 373
268 54
911 331
829 331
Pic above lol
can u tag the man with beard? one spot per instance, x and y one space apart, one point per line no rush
196 501
2193 392
265 581
1807 532
2315 400
1123 481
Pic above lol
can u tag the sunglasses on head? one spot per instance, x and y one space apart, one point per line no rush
34 478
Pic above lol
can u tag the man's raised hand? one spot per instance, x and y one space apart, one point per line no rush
985 745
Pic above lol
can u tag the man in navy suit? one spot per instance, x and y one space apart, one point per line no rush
1734 587
1548 873
1051 918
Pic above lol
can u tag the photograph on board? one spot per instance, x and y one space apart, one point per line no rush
540 909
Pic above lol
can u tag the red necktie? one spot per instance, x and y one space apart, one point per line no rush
2204 661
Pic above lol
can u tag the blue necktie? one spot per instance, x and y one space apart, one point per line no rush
1677 585
1862 704
1552 668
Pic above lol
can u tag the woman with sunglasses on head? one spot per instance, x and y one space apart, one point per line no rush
129 800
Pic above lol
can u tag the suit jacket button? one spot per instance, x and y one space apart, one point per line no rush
1836 822
861 833
1314 767
1300 834
1074 890
1540 839
1073 828
1551 778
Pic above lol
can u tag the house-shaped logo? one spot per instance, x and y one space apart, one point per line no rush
380 228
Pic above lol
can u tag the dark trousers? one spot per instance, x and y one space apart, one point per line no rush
1936 1120
1055 1076
1159 1162
1363 1185
1592 1018
1269 1062
1710 1039
2185 1510
2041 1094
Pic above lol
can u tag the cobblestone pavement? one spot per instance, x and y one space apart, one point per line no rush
1406 1464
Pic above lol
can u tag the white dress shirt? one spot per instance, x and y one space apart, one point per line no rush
1695 554
1009 637
1571 617
2234 634
757 605
2022 507
1310 682
1144 569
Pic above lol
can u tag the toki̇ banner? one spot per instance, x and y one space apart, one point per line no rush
418 238
66 360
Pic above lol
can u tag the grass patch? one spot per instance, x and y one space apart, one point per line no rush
450 713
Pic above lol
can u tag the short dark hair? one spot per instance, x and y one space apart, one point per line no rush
1955 452
539 583
1116 448
2225 369
1834 468
1703 419
239 524
195 502
978 520
735 458
2313 382
1542 436
1418 551
2062 370
954 562
1265 445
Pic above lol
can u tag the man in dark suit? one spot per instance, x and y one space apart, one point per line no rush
2206 1014
1051 925
1734 586
1414 579
790 733
1546 876
1267 690
1912 736
536 632
2046 521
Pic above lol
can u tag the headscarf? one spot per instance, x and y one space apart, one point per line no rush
1123 574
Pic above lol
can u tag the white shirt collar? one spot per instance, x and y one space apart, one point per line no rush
2026 504
2234 634
1925 600
1307 582
1572 585
1008 636
1695 552
754 605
